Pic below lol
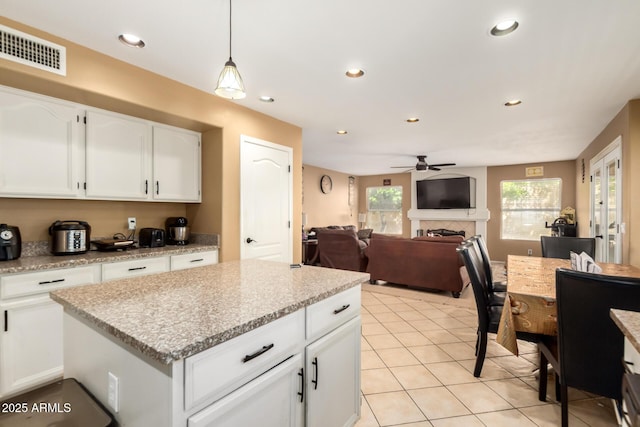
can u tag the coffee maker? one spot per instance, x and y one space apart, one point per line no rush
177 231
10 242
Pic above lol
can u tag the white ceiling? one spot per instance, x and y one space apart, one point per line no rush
574 64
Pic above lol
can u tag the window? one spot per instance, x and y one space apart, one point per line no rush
526 205
384 209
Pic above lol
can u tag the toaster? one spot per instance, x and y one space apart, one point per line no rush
151 238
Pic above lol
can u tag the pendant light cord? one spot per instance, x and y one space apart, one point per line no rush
229 30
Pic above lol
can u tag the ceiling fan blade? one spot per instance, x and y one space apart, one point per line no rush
433 168
444 164
401 167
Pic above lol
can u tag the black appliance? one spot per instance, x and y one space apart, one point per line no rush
562 228
69 237
10 242
151 238
177 231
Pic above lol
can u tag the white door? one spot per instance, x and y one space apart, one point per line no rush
606 204
266 202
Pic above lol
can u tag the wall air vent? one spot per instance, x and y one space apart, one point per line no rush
30 50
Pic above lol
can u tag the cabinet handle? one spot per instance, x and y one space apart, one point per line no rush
137 268
341 309
315 373
157 187
301 392
627 366
197 260
146 186
263 350
48 282
6 320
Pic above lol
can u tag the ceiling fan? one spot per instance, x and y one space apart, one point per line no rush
422 165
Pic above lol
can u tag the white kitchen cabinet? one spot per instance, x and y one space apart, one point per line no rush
333 377
41 146
31 343
197 259
135 268
31 337
118 156
176 164
274 399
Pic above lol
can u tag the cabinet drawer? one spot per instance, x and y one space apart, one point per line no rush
181 262
138 267
328 314
22 284
631 357
216 372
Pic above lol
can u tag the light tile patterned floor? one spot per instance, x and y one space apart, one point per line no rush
417 359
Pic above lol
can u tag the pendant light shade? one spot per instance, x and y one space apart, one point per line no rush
230 83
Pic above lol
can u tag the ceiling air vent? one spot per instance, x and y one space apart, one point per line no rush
30 50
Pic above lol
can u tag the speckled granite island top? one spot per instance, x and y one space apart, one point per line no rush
629 324
48 262
170 316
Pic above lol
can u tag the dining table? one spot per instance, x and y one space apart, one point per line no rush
530 304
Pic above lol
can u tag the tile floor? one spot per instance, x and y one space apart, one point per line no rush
417 358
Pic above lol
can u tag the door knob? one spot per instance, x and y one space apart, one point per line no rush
249 240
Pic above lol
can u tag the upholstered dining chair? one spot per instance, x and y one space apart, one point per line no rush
588 352
561 247
481 246
488 314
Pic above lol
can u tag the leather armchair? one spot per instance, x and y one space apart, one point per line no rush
341 249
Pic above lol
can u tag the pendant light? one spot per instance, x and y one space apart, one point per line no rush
230 83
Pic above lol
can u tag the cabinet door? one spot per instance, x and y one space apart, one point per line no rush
40 147
333 377
118 157
274 399
176 165
31 343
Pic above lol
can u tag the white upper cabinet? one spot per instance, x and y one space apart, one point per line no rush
118 161
176 164
41 146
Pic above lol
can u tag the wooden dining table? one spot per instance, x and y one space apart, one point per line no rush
530 305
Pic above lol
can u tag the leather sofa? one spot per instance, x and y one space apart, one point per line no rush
422 262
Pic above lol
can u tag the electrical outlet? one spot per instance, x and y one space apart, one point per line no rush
132 223
113 393
529 252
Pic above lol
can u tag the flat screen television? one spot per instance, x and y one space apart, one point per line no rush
446 193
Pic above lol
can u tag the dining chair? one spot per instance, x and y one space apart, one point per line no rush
494 286
561 247
488 314
588 351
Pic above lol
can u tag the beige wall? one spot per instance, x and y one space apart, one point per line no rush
627 125
332 208
498 248
103 82
402 179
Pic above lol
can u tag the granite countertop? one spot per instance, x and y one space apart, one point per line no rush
170 316
629 324
47 262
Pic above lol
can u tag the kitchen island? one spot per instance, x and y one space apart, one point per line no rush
223 344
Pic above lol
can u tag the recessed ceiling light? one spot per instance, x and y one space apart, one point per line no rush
413 120
131 40
355 72
505 27
513 103
342 132
266 99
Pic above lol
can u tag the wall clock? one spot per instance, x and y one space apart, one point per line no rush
326 184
